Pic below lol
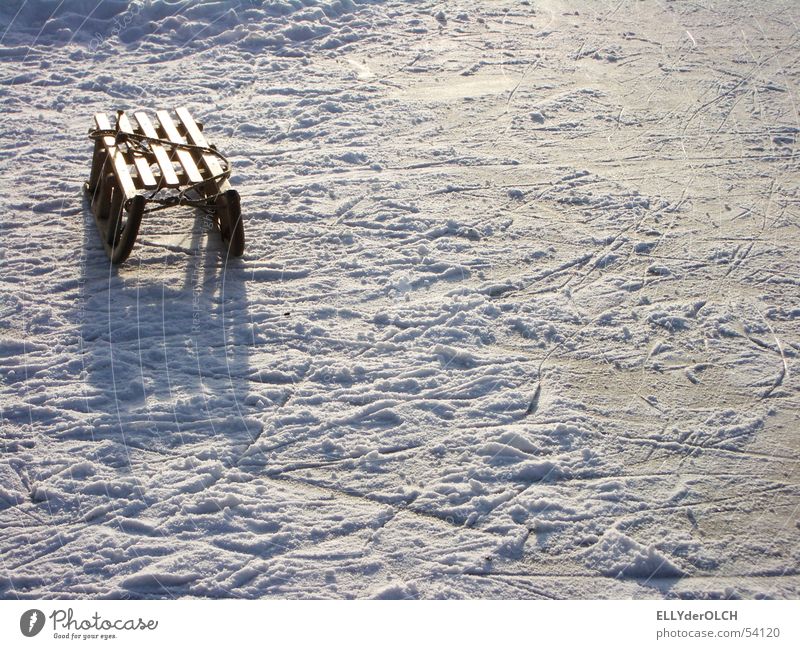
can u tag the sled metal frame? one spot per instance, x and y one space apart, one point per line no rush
137 161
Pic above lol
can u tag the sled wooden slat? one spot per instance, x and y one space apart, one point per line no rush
119 164
141 162
185 157
168 175
195 136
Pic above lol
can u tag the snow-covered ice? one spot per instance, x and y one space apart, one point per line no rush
517 316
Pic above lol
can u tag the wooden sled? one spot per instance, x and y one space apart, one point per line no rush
142 166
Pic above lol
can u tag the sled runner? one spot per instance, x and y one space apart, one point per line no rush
141 166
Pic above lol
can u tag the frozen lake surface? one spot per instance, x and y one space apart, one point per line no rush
517 316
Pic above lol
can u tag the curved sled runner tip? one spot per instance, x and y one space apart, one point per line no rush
123 229
229 213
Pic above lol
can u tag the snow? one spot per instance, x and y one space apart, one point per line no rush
517 315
